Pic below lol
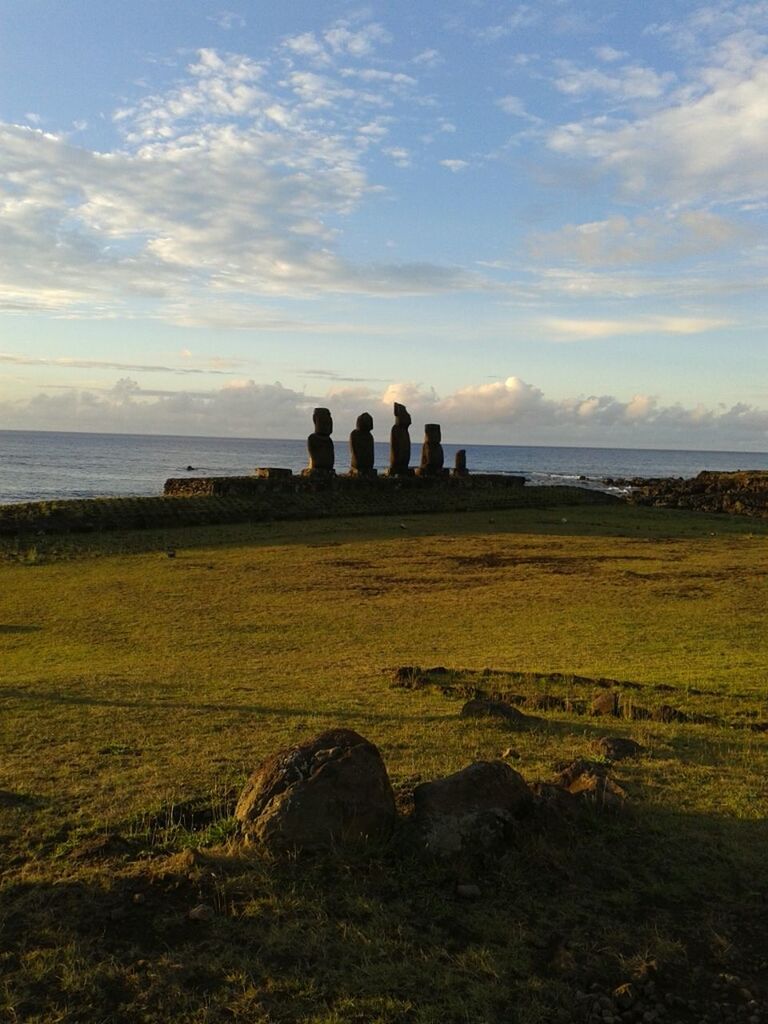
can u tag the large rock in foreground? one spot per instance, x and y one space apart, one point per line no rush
329 791
471 810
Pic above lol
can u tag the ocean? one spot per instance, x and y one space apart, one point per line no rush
38 465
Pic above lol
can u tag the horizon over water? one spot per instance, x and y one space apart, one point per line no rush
38 465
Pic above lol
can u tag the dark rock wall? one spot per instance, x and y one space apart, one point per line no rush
740 493
208 501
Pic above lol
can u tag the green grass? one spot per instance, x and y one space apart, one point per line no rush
138 691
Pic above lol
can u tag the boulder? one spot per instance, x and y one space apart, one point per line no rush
481 707
329 791
472 810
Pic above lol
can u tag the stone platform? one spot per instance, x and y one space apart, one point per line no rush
269 481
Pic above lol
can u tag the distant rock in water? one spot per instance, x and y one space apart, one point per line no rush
191 469
744 492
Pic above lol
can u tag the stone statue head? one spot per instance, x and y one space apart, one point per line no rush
402 418
432 433
365 422
323 421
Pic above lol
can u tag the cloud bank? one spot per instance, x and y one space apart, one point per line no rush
511 411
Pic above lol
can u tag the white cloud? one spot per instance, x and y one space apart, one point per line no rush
399 154
523 16
306 45
427 58
512 105
707 142
226 183
456 166
620 241
633 82
71 363
227 20
711 22
608 54
577 283
343 39
566 329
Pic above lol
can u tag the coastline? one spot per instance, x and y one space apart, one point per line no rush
38 466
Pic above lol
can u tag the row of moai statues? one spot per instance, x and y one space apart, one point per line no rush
322 456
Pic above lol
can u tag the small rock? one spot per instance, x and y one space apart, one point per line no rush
510 754
605 704
138 897
616 748
468 892
202 912
666 713
591 781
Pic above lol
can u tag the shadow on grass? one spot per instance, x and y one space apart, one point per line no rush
540 518
9 630
380 935
10 799
78 700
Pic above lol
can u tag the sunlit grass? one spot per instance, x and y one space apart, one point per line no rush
134 683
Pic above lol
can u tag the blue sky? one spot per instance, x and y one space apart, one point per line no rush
534 223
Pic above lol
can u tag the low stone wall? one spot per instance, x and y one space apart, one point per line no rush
247 499
270 482
281 496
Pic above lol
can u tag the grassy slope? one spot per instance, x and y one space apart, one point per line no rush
132 682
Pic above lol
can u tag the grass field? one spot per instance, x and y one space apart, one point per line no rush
138 691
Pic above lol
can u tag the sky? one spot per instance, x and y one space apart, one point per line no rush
534 223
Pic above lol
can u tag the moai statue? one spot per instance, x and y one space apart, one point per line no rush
320 445
400 443
460 467
361 447
431 451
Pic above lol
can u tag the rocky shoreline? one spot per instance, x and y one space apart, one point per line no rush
744 492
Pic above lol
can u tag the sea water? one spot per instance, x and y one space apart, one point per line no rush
38 465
